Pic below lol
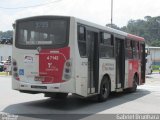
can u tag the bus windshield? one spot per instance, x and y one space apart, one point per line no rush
41 33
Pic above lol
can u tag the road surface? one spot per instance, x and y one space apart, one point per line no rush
36 107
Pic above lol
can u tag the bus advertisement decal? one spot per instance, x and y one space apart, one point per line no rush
28 59
52 63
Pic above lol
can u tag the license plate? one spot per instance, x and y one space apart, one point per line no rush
39 78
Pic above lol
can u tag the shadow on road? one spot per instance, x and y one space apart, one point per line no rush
153 75
71 108
149 76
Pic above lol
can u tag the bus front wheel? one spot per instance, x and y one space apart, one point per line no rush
104 90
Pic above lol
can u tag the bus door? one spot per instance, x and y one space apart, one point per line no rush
120 63
93 61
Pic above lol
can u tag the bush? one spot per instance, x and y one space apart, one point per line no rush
155 67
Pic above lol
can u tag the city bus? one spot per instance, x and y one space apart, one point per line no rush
57 55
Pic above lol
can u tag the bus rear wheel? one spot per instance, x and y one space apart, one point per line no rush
134 86
104 90
135 80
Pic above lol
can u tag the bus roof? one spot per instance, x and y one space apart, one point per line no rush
109 29
105 28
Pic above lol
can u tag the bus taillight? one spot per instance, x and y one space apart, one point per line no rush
15 70
67 72
14 63
16 76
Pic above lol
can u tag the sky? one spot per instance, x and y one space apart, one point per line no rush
96 11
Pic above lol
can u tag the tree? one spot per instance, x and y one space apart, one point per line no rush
147 18
155 43
149 28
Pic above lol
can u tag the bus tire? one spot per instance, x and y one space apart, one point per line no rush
134 87
104 90
135 80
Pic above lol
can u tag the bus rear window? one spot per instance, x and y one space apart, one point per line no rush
45 33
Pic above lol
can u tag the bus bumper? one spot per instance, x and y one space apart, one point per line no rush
42 88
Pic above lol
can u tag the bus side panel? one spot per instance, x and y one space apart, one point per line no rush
108 66
81 70
81 76
133 67
126 74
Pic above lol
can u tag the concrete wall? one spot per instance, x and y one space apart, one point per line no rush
155 54
5 51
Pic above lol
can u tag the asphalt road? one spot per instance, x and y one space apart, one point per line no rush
37 107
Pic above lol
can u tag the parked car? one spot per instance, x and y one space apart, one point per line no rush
6 40
1 66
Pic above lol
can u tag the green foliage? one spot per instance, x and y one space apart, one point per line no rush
155 67
7 34
149 28
155 43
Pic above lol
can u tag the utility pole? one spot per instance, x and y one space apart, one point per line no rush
111 13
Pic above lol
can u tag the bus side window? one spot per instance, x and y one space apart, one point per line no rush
81 35
138 50
134 49
128 49
106 45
